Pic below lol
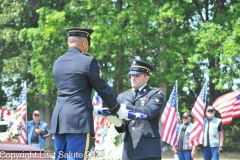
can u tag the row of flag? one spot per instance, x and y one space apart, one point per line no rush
228 106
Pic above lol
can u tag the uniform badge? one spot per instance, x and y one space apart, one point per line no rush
156 100
100 73
214 135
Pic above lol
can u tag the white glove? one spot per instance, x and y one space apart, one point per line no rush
117 122
122 112
95 111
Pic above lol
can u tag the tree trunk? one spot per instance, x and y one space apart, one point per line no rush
46 114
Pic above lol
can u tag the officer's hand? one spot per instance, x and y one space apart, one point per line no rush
95 111
38 131
117 122
220 150
122 112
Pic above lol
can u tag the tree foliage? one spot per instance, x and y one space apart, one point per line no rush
188 41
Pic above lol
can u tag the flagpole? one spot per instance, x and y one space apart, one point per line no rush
177 97
25 87
206 93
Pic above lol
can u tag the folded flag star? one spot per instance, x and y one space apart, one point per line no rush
131 114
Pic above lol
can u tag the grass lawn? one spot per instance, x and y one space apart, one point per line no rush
224 156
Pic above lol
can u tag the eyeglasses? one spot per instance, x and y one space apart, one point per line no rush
210 110
185 117
36 115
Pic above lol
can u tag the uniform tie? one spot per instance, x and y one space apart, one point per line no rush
135 93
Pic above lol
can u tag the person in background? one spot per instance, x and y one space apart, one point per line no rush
37 131
183 151
212 136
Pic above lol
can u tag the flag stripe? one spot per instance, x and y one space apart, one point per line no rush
228 105
98 121
196 135
169 119
22 112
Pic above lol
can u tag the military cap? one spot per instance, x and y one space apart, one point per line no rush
78 31
139 67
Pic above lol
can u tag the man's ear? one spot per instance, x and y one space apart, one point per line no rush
147 77
85 44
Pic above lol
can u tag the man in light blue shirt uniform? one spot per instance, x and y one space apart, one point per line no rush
184 151
212 136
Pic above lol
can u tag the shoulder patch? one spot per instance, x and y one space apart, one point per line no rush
100 73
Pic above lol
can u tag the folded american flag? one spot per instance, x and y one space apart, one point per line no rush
131 114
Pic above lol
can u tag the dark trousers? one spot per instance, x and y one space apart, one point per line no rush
72 146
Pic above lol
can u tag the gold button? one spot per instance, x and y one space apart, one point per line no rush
153 136
132 121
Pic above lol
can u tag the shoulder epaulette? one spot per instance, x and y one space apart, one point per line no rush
60 57
126 91
87 54
155 88
159 90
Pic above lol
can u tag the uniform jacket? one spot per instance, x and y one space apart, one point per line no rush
214 137
76 74
186 135
42 137
141 137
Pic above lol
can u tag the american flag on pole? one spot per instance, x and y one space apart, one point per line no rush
22 112
228 105
196 135
98 121
169 119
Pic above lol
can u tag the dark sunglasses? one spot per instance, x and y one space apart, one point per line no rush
210 110
36 115
185 117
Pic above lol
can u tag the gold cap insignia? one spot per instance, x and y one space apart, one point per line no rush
134 62
157 100
100 73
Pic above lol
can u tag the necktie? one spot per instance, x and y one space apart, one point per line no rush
135 93
208 142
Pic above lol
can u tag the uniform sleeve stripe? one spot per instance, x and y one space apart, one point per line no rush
114 107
